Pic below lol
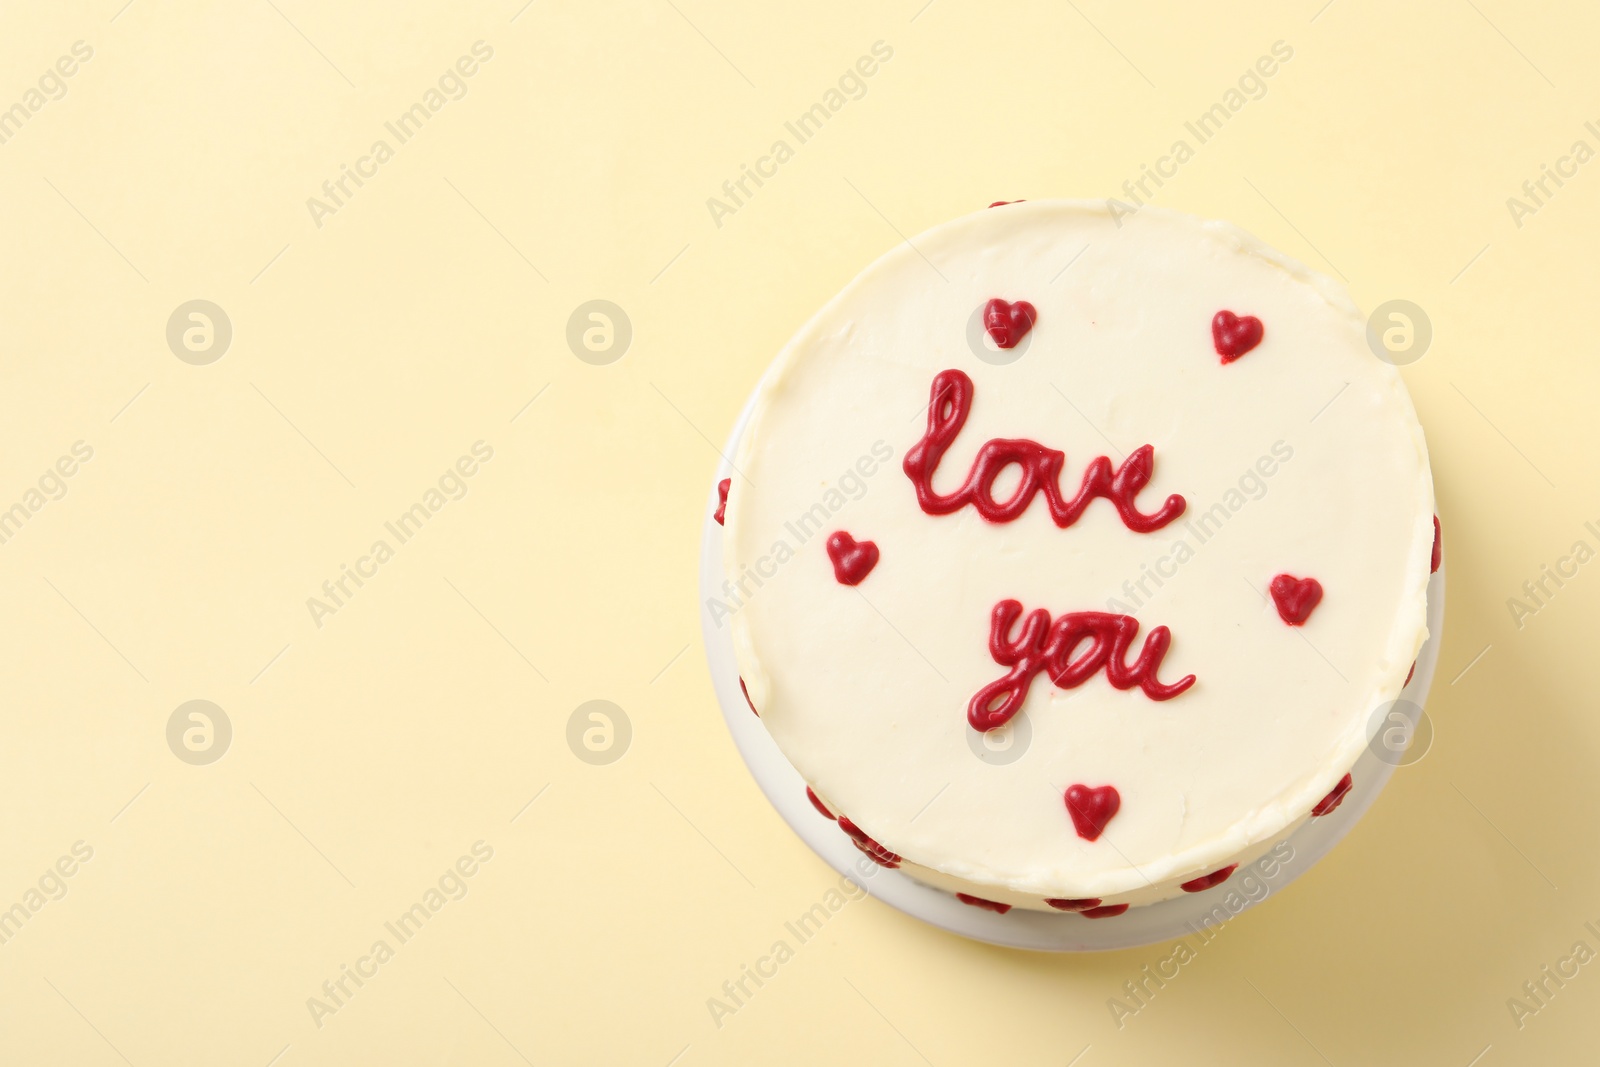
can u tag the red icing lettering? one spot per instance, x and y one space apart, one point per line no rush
1091 808
852 560
1295 597
1069 904
1041 645
1041 470
1334 798
979 902
1234 335
722 500
1206 881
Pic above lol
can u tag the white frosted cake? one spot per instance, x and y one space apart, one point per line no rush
1069 555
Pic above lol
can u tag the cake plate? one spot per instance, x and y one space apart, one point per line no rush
1037 930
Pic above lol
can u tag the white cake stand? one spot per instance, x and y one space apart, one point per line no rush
1042 931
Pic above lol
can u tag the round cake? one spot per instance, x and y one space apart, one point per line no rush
1070 551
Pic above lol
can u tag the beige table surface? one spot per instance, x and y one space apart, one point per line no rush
376 339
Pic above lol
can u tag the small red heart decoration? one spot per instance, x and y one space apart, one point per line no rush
1295 597
722 500
1070 904
1333 799
1007 323
1091 808
852 560
1234 335
1206 881
979 902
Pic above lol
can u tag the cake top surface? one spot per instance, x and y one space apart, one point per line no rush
1173 540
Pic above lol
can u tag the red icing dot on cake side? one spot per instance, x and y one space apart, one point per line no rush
852 560
874 851
1334 798
1069 904
1091 807
1045 646
1295 597
816 802
1106 912
979 902
948 407
1234 335
722 500
1206 881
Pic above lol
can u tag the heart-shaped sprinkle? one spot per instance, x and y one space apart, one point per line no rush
1206 881
979 902
852 560
816 802
873 851
1069 904
1007 323
722 500
1333 799
1295 597
1234 335
747 699
1438 546
1091 808
1105 912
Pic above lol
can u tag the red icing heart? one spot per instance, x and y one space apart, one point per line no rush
1007 323
1295 597
1069 904
874 851
1106 912
1333 799
1092 808
817 803
1206 881
1437 546
722 500
1234 336
747 699
979 902
852 560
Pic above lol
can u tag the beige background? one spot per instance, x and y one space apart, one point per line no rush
423 716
